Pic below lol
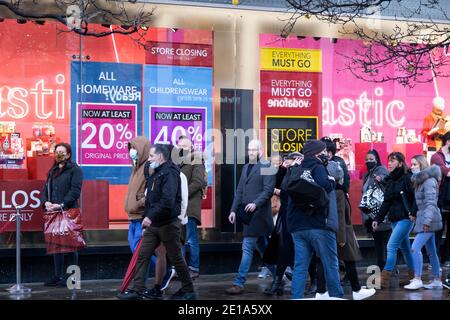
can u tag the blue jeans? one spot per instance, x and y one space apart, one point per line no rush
425 239
194 247
134 234
323 242
248 246
399 240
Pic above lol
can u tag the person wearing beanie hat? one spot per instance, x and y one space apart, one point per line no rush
335 170
313 147
311 230
331 150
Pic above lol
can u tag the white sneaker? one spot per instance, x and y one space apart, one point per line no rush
447 264
435 284
324 296
363 293
414 285
265 272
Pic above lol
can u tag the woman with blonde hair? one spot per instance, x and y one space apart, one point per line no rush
428 219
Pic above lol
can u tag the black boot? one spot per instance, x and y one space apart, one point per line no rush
276 288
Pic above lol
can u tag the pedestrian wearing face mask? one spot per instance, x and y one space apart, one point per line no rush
399 206
139 149
374 176
62 191
310 232
192 166
162 226
428 219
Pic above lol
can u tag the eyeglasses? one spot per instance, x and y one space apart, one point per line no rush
61 152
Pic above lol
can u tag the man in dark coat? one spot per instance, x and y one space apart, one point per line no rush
254 192
161 224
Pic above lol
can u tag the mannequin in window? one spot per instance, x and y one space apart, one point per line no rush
434 124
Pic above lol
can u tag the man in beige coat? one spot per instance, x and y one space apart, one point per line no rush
139 150
194 169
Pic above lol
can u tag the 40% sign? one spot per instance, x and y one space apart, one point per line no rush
106 136
194 132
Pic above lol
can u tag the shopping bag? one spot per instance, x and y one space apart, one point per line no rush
63 231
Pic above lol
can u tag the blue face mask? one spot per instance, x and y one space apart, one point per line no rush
133 154
154 165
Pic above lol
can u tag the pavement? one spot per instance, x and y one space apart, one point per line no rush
209 287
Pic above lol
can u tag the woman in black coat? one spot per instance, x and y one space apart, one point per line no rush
400 207
62 191
281 247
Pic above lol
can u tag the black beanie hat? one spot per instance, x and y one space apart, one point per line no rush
313 147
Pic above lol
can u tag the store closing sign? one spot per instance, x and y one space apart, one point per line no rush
288 134
26 195
179 54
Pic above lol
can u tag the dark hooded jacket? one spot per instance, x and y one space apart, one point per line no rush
163 201
135 198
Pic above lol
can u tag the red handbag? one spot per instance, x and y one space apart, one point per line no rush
63 231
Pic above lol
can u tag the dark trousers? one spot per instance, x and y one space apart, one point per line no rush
286 244
381 239
58 259
350 269
169 235
444 252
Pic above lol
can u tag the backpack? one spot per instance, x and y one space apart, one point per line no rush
305 192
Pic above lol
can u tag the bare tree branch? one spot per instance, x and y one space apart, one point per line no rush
84 13
412 51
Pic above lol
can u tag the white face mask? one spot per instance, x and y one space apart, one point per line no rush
415 170
154 165
133 154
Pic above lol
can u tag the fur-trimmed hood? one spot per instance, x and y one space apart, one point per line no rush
431 172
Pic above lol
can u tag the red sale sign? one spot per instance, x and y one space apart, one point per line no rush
290 93
104 133
25 195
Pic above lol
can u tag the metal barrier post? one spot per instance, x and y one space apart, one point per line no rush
18 289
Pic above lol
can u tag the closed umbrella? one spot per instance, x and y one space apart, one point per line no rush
131 268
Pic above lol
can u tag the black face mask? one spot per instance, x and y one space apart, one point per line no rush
370 165
324 159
